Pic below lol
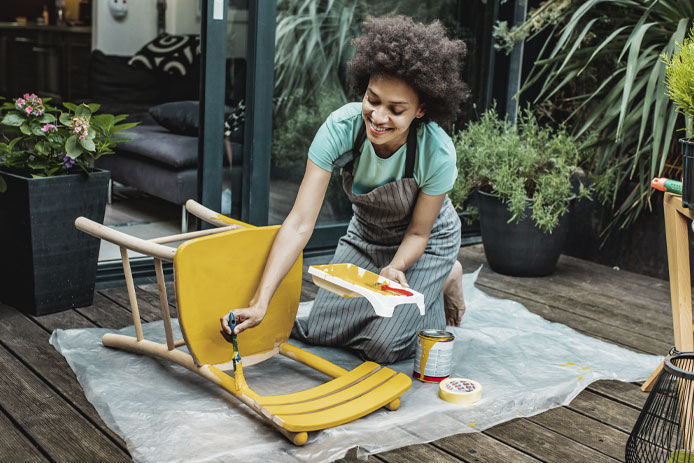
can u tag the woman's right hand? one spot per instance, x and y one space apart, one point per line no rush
245 318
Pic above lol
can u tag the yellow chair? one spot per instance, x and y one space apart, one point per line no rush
217 270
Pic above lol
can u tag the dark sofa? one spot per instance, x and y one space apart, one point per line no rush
156 160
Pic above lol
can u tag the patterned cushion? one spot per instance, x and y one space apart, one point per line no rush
171 54
233 122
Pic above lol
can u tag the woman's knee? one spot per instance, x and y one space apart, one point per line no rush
387 351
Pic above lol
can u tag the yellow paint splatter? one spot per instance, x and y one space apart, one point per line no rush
580 378
585 368
471 424
519 411
570 363
355 275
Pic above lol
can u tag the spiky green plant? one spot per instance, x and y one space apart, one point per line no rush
312 47
679 80
625 115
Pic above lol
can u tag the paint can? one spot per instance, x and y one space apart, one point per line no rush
434 355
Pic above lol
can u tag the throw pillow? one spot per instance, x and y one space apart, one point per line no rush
233 122
171 54
179 117
183 118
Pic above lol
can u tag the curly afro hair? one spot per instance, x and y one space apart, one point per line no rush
417 53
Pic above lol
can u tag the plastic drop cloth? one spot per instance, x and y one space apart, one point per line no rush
525 364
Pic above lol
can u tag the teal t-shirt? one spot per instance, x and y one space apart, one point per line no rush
435 167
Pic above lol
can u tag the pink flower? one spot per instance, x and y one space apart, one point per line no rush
82 137
27 96
20 102
28 109
48 127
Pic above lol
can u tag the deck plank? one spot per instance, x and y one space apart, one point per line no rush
585 430
586 325
482 448
421 452
15 447
605 410
57 428
578 290
619 391
65 319
147 302
33 349
105 314
545 444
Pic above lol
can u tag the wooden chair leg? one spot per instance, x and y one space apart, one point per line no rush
131 293
164 303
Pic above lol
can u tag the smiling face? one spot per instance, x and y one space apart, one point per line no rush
389 107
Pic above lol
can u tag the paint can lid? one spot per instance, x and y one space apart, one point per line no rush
460 390
436 334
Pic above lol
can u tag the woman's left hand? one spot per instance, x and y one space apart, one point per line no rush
394 274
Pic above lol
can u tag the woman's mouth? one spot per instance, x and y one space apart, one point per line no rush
377 130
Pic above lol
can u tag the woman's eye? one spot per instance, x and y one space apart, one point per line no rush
397 113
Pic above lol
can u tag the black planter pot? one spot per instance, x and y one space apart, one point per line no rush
687 172
518 249
46 264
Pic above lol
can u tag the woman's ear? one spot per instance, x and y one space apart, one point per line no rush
421 111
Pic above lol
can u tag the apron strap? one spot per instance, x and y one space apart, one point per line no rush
411 149
346 159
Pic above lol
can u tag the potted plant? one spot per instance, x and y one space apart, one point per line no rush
47 180
679 84
523 175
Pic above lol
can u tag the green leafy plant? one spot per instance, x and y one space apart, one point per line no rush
679 80
293 135
610 50
39 140
524 164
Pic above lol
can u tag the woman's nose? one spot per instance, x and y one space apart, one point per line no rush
379 115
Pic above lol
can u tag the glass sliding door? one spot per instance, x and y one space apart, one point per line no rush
311 80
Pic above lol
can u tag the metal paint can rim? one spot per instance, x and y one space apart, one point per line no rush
439 335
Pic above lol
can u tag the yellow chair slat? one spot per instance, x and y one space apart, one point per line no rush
348 411
324 389
216 273
355 390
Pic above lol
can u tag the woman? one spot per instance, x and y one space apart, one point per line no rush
397 166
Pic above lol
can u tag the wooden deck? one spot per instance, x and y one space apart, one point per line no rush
44 415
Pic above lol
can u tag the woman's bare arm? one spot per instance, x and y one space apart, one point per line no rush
289 242
426 210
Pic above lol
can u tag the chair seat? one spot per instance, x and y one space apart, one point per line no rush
368 394
364 389
357 393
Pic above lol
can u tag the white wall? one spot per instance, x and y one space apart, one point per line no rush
127 36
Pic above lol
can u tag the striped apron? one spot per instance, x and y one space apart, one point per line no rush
375 232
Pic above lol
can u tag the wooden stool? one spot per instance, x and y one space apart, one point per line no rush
676 232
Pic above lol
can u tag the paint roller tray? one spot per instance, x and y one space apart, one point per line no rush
349 280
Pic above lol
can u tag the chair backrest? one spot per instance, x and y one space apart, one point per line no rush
216 273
